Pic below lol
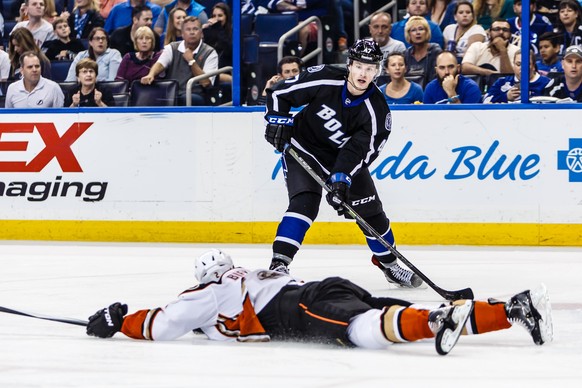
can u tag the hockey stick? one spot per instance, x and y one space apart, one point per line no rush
465 293
70 321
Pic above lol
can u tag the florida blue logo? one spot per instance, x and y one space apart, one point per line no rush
571 160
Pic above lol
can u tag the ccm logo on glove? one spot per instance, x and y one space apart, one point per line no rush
281 120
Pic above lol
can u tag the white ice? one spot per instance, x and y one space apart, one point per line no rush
74 280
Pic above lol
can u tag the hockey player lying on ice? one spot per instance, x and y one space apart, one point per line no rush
233 303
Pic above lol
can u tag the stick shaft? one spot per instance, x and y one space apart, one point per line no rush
450 295
70 321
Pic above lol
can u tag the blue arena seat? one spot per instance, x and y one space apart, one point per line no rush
59 70
270 27
114 87
159 93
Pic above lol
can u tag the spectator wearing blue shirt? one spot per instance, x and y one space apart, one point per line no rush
538 24
191 7
121 14
549 44
399 90
450 87
417 8
508 89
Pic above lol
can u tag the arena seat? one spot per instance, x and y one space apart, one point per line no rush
114 87
159 93
59 70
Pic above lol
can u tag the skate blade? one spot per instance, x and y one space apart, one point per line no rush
447 341
541 302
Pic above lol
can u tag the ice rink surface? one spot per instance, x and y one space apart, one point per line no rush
74 280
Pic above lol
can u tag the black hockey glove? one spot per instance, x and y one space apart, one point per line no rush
339 194
106 322
279 131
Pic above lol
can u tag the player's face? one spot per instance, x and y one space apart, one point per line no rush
572 67
289 70
446 65
63 30
87 77
31 70
396 67
547 51
380 28
361 75
464 16
192 33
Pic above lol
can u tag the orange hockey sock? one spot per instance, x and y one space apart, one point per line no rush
402 324
488 317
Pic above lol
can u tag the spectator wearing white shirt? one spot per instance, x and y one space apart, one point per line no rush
41 29
33 91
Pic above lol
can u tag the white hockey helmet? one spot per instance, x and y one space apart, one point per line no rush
211 265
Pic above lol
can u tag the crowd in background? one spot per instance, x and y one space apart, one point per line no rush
440 51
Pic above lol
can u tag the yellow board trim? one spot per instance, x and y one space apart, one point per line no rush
406 233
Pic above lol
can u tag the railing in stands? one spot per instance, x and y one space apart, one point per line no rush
225 69
318 51
361 23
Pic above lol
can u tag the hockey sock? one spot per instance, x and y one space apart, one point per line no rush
404 324
486 317
381 223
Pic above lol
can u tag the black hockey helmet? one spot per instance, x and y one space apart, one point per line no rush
366 51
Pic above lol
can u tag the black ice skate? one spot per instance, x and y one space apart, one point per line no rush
279 266
397 275
532 310
447 323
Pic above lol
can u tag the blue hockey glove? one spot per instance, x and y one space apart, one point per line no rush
340 185
108 321
279 131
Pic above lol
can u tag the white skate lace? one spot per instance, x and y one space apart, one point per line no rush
401 274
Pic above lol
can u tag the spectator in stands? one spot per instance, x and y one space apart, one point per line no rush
137 64
41 29
174 30
84 18
218 34
62 48
191 7
538 25
508 89
288 67
450 87
380 27
550 9
186 59
460 36
33 90
569 23
105 7
568 86
107 59
421 55
489 10
549 49
248 7
4 66
121 14
417 8
399 90
21 41
123 38
495 56
441 12
87 93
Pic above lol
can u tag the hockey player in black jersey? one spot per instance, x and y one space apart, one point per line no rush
340 131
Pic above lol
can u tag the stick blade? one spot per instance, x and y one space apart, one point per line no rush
465 293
